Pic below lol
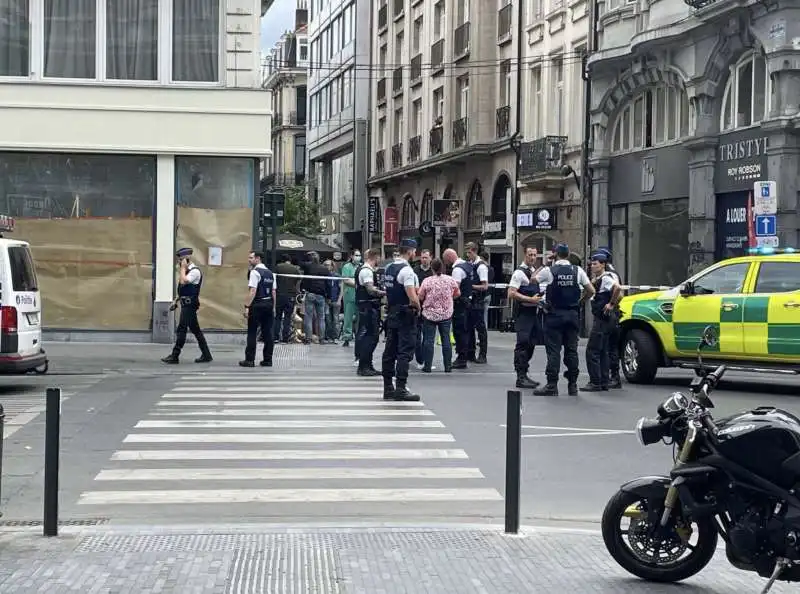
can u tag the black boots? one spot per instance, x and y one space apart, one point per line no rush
399 394
524 382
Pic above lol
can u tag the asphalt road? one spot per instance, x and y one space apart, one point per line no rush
146 444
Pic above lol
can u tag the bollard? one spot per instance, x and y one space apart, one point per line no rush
52 431
513 459
2 433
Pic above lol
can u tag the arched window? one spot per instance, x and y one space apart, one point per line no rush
746 98
656 116
408 217
426 212
475 206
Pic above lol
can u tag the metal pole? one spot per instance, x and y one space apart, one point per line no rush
273 214
513 459
52 431
2 432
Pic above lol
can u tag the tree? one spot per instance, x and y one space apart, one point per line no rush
300 215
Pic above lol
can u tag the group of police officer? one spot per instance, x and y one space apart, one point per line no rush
547 301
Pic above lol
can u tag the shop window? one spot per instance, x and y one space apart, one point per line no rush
408 219
89 220
778 277
656 116
726 280
657 242
475 214
745 101
215 209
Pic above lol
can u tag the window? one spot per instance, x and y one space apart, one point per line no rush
304 51
463 96
534 10
15 42
398 125
195 40
724 280
416 118
438 20
347 37
299 155
557 70
336 87
438 103
778 277
347 88
336 41
462 12
23 274
536 96
381 133
398 50
416 39
70 39
384 52
654 117
505 83
745 101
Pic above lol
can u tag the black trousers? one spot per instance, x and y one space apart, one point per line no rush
461 330
476 325
401 342
561 329
528 325
284 309
261 318
367 335
598 348
613 347
188 321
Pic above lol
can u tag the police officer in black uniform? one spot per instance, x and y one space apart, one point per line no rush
190 280
463 274
604 306
368 302
401 285
259 310
524 293
564 281
476 323
614 381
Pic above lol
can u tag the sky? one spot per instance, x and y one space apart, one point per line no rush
278 19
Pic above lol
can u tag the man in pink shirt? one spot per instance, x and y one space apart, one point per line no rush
436 293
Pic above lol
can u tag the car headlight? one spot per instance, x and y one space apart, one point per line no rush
650 431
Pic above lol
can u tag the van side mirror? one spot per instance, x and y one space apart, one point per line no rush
687 288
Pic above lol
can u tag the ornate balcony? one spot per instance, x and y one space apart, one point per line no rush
460 132
503 121
382 90
416 70
437 57
414 146
461 42
380 161
397 81
397 155
436 140
504 22
541 162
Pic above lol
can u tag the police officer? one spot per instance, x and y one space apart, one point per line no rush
614 381
604 306
562 321
401 323
477 320
524 293
259 310
190 280
368 301
463 274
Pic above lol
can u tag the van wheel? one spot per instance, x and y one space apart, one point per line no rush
639 357
42 369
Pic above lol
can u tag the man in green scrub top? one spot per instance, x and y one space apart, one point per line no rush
349 297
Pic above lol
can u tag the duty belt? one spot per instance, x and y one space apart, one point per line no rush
188 300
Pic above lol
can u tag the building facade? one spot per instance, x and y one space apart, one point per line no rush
131 128
691 104
286 77
444 113
337 135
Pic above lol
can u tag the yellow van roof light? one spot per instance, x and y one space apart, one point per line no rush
769 251
6 223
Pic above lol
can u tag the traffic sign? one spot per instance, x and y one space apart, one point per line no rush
765 198
766 225
770 242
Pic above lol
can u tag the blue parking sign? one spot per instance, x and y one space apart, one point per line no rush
765 191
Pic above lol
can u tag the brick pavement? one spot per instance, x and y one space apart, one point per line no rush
384 560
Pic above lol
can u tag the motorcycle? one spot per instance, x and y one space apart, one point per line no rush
736 478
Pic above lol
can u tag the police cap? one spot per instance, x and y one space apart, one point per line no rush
408 243
562 250
184 252
599 256
605 251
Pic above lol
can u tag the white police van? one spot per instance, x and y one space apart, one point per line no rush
20 307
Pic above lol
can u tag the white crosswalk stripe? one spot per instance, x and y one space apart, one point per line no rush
298 441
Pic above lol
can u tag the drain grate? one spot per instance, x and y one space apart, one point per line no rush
286 569
35 523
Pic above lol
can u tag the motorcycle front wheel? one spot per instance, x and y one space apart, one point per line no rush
669 558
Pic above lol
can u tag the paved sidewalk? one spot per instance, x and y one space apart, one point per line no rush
249 560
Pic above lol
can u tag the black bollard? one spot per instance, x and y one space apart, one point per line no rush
513 459
52 432
2 433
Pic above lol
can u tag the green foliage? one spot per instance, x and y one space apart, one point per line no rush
300 215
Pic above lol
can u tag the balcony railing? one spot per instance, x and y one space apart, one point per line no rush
382 90
397 80
436 140
542 156
383 17
461 42
460 131
397 155
503 121
284 180
414 145
504 22
380 161
416 70
399 6
437 56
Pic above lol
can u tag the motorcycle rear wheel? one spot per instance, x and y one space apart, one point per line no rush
672 571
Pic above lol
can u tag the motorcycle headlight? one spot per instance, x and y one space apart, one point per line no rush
650 431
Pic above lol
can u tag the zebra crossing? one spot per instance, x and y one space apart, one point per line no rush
306 445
